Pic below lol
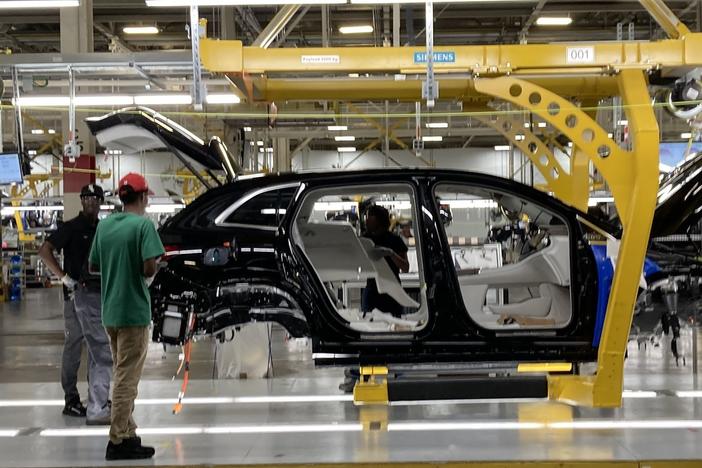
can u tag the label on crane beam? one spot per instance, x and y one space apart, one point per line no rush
439 57
576 55
319 59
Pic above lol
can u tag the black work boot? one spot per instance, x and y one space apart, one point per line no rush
74 408
129 449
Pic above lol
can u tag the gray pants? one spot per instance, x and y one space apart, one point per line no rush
72 348
89 313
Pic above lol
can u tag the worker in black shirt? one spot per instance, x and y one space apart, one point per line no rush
394 250
82 312
391 247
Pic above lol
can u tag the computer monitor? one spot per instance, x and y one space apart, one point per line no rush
10 169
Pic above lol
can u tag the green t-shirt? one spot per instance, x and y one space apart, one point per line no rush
123 241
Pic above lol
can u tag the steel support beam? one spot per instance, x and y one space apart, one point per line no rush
291 27
325 26
276 25
117 44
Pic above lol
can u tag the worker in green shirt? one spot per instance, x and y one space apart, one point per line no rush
125 249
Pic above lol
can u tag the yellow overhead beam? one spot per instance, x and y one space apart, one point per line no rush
227 56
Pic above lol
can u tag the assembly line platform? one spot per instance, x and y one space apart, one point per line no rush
308 421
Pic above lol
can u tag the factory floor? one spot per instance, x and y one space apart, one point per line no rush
299 417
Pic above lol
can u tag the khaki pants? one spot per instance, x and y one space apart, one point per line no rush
129 346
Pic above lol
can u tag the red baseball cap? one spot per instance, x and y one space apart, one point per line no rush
136 181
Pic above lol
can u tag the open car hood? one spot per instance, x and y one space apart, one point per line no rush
135 129
679 198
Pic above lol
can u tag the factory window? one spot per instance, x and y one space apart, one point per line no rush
511 257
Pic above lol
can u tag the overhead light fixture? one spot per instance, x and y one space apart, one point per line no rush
361 29
32 152
502 148
113 152
227 98
104 100
52 131
108 100
140 30
623 123
686 135
187 3
432 138
437 125
259 143
610 135
269 150
163 99
519 137
353 75
337 128
554 21
10 210
247 129
38 4
41 101
595 200
346 149
37 131
542 124
345 138
527 125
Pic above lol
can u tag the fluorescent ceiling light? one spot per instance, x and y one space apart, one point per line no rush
247 129
463 426
37 131
554 21
595 200
519 137
187 3
9 4
42 101
9 432
345 138
639 394
542 124
32 152
269 150
432 138
346 149
227 98
140 30
104 100
337 128
164 208
686 135
527 125
689 394
623 123
437 124
353 75
610 135
502 148
570 144
259 143
163 99
362 29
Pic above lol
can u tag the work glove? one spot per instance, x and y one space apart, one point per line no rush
380 252
69 282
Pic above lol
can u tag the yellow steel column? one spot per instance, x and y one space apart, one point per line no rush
631 176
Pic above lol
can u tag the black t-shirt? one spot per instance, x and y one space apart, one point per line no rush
372 299
392 241
75 237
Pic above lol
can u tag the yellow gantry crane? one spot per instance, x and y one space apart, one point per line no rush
559 83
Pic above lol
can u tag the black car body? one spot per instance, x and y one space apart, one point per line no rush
522 283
